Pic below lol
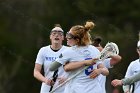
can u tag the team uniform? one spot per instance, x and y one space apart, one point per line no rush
130 80
81 83
45 57
102 78
133 69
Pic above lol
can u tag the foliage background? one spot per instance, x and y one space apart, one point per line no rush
25 27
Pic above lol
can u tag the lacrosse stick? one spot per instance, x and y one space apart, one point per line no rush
139 35
131 88
138 44
109 50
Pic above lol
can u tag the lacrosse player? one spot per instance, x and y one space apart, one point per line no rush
97 42
133 69
45 57
79 56
108 63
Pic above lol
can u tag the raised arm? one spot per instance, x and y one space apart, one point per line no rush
115 59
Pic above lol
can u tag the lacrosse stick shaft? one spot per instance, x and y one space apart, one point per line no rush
131 88
139 35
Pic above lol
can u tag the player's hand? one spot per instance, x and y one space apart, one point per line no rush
49 81
116 82
95 73
90 62
127 92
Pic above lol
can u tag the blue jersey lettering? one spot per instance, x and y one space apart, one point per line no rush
89 69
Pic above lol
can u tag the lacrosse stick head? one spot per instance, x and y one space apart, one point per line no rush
138 44
110 49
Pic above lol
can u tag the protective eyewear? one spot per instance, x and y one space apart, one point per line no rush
54 32
70 36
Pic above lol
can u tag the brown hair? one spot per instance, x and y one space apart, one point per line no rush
57 25
82 33
96 41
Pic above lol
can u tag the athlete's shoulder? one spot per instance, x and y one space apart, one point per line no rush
45 47
67 50
65 47
93 48
135 62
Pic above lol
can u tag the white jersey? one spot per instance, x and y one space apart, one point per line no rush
81 83
63 74
45 56
102 78
133 69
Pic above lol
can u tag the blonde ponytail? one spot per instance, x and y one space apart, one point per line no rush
89 25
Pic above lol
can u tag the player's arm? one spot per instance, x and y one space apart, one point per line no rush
131 79
75 65
126 81
39 76
103 69
115 59
100 70
126 88
37 72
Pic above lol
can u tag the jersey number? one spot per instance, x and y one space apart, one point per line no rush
89 69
